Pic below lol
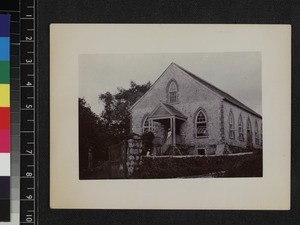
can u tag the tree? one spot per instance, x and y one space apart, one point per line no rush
98 132
90 128
116 115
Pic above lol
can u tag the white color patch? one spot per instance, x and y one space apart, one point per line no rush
4 164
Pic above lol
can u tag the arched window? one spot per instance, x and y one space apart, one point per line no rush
201 124
147 126
249 133
173 92
249 125
241 129
231 125
256 134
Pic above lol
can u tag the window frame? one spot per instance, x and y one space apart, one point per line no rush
201 123
249 128
231 125
149 127
241 128
172 91
172 96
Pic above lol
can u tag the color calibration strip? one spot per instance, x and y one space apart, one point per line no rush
5 117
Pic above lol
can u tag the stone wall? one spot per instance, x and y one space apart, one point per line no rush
125 158
133 156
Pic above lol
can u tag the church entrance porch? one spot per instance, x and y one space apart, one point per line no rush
168 129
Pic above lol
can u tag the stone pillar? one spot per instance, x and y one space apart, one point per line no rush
134 159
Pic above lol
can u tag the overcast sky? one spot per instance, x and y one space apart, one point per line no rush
238 74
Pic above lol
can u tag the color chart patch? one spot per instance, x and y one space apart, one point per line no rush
5 135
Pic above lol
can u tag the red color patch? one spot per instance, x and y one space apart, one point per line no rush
4 118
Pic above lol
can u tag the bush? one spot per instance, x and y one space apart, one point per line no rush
239 165
147 139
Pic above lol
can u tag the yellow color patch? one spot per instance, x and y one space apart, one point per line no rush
4 95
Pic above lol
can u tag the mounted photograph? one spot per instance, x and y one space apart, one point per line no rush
170 115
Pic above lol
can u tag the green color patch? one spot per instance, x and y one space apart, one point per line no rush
4 72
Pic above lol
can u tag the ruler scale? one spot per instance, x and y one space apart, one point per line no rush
27 87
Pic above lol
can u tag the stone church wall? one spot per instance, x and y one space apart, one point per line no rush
191 97
245 115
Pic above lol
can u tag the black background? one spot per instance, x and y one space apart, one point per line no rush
9 5
164 11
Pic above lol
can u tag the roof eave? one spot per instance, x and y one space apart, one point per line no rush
249 111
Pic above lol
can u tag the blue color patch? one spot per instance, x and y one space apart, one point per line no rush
4 48
4 25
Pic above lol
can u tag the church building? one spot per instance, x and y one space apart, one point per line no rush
190 116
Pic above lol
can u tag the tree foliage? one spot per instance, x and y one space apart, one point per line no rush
116 115
90 129
98 132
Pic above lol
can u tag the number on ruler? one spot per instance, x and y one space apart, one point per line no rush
28 60
28 38
29 151
29 196
28 106
29 218
28 174
28 84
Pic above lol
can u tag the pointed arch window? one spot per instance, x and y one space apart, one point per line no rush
231 126
173 92
256 134
249 133
147 125
201 124
241 129
249 125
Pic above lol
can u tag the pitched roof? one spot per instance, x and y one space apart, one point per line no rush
169 109
223 94
173 111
